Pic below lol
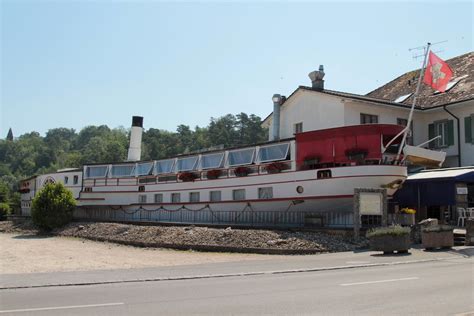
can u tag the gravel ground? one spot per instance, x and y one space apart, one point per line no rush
190 235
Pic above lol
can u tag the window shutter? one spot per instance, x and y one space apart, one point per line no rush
431 135
450 132
467 129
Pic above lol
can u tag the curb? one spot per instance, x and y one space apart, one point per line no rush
226 275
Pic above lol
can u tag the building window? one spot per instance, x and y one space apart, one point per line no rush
87 189
142 198
76 180
159 198
265 193
215 196
193 196
469 129
444 129
175 197
368 119
238 195
404 122
66 180
298 128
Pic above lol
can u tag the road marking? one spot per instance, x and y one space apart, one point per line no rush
58 307
379 281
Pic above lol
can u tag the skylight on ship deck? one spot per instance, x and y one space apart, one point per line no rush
96 171
164 166
143 169
122 171
241 157
186 164
212 161
273 152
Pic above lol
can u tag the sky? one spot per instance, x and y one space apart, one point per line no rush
78 63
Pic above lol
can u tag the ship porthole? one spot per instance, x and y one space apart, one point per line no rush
299 189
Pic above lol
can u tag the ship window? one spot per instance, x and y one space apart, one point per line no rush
368 119
212 161
66 180
144 169
141 188
75 180
324 174
87 189
193 196
265 193
215 195
186 164
273 152
241 157
164 166
238 195
159 198
122 170
175 197
142 198
96 171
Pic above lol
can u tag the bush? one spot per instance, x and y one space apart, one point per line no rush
5 210
52 206
396 230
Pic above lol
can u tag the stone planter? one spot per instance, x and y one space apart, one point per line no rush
437 239
390 243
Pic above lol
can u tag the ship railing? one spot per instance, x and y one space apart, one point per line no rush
244 218
197 175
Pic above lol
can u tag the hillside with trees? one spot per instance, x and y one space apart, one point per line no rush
31 153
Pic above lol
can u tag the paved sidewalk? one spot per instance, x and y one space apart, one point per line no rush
331 261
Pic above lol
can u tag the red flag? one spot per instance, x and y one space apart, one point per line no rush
437 73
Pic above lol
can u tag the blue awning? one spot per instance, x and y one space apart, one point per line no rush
433 187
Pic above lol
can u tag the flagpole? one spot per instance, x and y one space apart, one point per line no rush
415 96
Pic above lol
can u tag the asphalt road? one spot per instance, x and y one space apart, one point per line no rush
429 288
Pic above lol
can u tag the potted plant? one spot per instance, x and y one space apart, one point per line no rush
405 217
310 162
242 171
439 236
187 176
213 174
275 167
390 239
356 153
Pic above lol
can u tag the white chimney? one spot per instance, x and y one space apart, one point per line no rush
135 149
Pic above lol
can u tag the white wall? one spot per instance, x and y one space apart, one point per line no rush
315 110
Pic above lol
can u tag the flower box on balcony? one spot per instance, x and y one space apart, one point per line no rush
276 167
213 174
242 171
356 153
187 176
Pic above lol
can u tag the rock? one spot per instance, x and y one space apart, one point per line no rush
80 227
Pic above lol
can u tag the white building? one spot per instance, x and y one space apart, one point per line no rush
449 114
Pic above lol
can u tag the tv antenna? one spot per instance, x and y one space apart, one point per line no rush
415 50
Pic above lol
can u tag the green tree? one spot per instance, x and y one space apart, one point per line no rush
52 206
